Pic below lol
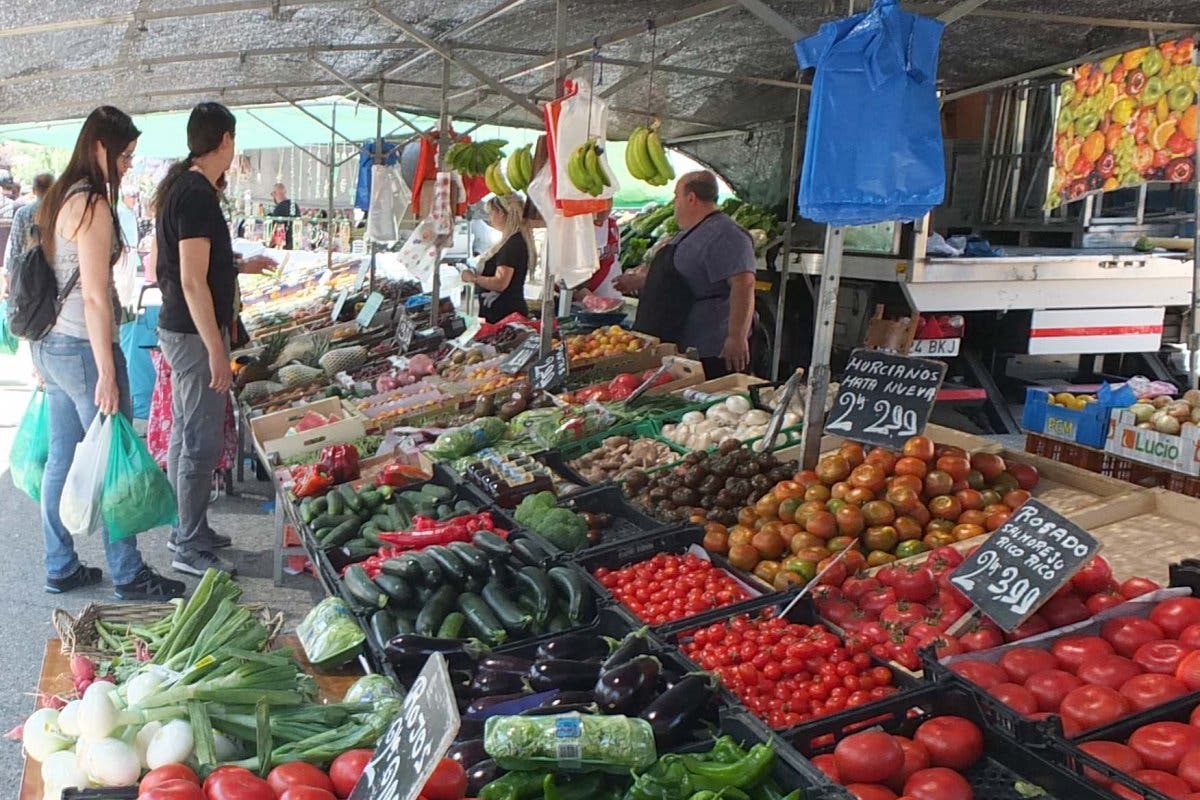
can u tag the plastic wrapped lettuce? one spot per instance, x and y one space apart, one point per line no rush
372 689
329 635
573 741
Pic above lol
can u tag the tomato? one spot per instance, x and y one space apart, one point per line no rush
448 781
307 793
903 615
1094 576
1050 686
235 783
916 758
1189 637
298 773
1189 769
870 791
827 764
1136 587
1162 745
981 673
943 646
919 447
1092 706
1111 671
1175 614
1127 634
1031 627
980 636
915 584
1021 662
169 772
1118 756
1103 600
1073 652
171 789
347 768
1016 697
1147 691
938 784
1165 782
1188 671
952 742
1162 657
1064 609
876 600
868 757
855 587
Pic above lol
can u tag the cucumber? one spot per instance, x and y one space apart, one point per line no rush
306 510
371 498
336 503
504 573
404 624
341 533
405 567
436 493
492 545
320 533
452 567
435 610
359 549
475 583
571 585
514 620
406 615
353 501
423 592
362 588
481 620
385 492
535 585
474 560
319 505
396 521
431 573
452 625
383 627
444 511
382 521
465 507
527 551
370 532
395 588
332 520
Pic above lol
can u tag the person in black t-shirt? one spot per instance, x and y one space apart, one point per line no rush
197 274
506 263
283 208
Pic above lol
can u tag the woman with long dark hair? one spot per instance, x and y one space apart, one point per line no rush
197 273
80 360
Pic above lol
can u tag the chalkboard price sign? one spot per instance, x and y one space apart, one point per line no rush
519 358
404 330
1023 563
407 754
885 399
550 372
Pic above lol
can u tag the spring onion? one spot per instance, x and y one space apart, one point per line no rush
61 771
171 744
141 741
111 762
42 736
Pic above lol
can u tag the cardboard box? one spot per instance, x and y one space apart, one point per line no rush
1176 453
1144 531
269 431
939 434
1066 488
684 373
735 383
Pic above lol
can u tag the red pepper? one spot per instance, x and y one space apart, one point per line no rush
339 461
400 475
308 480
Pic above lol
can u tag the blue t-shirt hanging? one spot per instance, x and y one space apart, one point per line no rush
362 193
874 146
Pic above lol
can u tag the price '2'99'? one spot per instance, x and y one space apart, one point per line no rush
893 418
1015 592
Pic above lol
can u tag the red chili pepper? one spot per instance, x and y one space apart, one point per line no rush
308 480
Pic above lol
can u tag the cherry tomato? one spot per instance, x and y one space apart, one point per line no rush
952 742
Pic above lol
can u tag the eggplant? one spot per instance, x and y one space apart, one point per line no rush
487 682
510 705
409 650
578 646
480 775
573 698
630 687
481 704
502 663
675 712
546 710
467 753
564 674
633 645
471 728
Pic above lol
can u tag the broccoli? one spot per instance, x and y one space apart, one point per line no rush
563 528
532 505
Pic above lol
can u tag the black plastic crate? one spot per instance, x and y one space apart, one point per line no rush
1005 763
628 521
115 793
554 461
790 770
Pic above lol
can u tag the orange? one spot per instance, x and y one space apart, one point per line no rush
1187 123
1159 136
1133 58
1093 146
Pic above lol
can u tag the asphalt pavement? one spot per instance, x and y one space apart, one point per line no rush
25 607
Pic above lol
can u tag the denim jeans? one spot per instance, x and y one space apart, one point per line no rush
69 370
197 436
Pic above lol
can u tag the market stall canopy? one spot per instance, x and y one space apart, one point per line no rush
718 65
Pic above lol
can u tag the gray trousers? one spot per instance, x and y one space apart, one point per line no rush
197 436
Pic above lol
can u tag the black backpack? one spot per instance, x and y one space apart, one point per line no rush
34 298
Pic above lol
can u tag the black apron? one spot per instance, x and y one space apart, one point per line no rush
667 298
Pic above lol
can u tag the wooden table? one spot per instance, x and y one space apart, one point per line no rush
56 679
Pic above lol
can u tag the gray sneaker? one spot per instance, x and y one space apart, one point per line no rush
201 561
216 541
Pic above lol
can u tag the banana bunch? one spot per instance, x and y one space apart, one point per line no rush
519 168
473 158
646 158
495 180
584 170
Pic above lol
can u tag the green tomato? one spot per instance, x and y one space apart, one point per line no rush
910 547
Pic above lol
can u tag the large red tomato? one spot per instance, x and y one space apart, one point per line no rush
938 784
1162 745
827 764
169 772
1064 608
298 773
915 584
1111 671
173 789
916 758
1103 600
448 782
1190 637
347 768
1050 686
868 757
1176 614
1021 662
1189 769
1094 576
1147 691
870 791
1119 756
1092 706
1161 657
235 783
306 793
984 674
1165 782
1127 634
952 742
1016 697
1074 651
1188 671
1136 587
980 636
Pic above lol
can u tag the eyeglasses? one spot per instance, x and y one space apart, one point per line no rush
126 157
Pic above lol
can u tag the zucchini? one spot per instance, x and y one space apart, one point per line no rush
527 551
514 620
431 573
362 588
383 627
424 592
395 588
492 545
450 564
481 620
405 567
535 585
341 533
336 504
504 573
435 610
371 499
571 585
475 561
475 583
353 501
452 625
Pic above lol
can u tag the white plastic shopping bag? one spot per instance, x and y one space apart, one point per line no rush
570 252
390 200
79 508
571 121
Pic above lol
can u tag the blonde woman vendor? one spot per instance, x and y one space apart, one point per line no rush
501 282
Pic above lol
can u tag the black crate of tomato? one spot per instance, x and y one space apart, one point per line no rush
666 595
1005 769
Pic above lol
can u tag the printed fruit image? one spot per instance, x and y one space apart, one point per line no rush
1143 157
1135 81
1093 146
1181 98
1152 63
1133 58
1153 90
1180 170
1122 110
1187 123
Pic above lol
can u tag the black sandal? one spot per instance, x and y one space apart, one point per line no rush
80 578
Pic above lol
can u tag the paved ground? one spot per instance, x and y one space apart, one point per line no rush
25 609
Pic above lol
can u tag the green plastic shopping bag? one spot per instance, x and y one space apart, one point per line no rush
136 495
31 447
8 340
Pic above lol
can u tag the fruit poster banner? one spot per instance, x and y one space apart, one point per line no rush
1127 120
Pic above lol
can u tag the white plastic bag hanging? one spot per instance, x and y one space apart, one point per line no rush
570 122
570 253
390 199
79 508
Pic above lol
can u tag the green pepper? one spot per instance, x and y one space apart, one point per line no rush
741 774
515 786
582 788
667 780
706 794
726 750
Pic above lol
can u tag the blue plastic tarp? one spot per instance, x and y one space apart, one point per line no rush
874 145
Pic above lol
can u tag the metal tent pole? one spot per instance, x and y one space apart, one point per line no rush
329 207
819 370
784 268
547 315
1194 339
435 290
378 159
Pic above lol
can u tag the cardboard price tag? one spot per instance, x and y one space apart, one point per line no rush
416 741
405 329
885 399
550 372
1023 563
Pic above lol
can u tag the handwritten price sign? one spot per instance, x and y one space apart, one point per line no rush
885 399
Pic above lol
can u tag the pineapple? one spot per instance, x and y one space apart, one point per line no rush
256 390
320 344
272 348
343 359
297 374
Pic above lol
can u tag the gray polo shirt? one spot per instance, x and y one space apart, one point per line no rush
714 251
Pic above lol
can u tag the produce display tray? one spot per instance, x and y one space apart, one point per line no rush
1065 488
1005 769
629 522
790 770
1144 531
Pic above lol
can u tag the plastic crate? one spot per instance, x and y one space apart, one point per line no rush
789 770
641 429
1088 425
629 522
1005 763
